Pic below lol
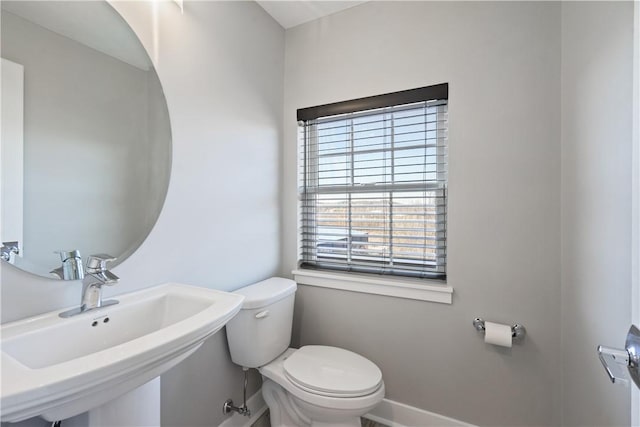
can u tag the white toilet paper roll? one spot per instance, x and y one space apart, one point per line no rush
497 334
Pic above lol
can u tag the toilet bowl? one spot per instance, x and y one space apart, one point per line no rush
319 388
314 386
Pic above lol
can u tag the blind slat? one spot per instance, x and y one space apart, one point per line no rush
364 149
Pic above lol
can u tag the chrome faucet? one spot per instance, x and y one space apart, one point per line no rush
71 265
96 275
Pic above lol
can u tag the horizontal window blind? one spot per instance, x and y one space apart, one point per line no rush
373 190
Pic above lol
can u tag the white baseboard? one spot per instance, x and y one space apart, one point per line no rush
256 405
388 412
396 414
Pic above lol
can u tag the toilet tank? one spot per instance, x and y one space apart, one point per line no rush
261 331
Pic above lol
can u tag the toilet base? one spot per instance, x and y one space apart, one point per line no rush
285 412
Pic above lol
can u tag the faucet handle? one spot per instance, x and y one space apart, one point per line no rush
98 262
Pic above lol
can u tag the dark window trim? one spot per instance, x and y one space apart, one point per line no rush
427 93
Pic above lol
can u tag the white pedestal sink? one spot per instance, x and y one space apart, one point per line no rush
57 368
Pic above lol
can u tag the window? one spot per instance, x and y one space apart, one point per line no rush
373 184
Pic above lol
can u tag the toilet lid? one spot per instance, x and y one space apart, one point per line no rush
332 371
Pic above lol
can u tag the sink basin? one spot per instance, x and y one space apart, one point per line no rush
57 368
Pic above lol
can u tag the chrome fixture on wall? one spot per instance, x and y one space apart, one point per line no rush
244 410
517 331
96 276
615 359
9 248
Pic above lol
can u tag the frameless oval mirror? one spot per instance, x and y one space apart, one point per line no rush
86 140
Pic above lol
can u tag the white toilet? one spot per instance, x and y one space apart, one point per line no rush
312 386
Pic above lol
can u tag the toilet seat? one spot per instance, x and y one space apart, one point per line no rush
331 371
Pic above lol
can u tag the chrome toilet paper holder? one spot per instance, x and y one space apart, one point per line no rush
517 331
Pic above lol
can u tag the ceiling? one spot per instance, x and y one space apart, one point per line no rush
295 12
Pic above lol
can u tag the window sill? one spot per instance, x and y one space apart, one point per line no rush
416 289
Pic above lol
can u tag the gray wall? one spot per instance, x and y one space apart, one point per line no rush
597 64
502 63
540 201
221 67
89 120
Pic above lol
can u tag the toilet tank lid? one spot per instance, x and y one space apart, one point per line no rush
266 292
